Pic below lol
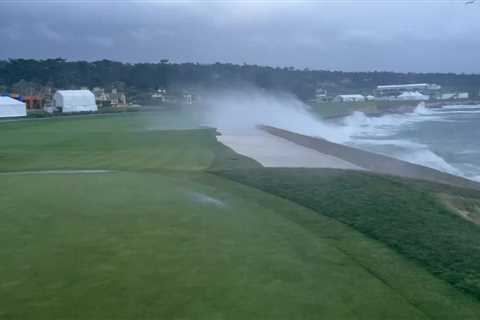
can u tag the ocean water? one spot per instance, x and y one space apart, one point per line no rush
446 139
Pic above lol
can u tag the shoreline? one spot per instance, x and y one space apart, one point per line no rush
373 162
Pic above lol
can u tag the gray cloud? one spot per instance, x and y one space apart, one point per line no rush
401 35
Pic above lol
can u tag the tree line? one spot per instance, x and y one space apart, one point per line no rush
60 73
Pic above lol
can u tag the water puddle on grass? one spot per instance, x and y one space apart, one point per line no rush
205 199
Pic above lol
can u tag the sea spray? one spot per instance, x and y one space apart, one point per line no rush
242 111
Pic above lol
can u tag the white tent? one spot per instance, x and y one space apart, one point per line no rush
12 108
350 98
75 100
413 95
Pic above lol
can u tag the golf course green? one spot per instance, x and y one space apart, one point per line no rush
147 216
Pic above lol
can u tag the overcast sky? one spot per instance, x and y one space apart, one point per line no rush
399 35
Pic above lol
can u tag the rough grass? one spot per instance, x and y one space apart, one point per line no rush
408 218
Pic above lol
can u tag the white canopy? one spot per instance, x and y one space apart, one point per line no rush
350 97
10 107
75 100
413 95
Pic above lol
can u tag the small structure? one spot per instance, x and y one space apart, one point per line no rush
454 96
413 96
188 98
10 107
161 95
33 102
101 98
349 98
74 101
117 98
447 96
320 95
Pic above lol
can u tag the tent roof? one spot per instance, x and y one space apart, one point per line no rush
9 101
74 93
412 94
351 96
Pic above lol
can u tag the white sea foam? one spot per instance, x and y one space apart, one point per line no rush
379 134
460 106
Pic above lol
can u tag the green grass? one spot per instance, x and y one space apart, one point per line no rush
144 245
338 109
161 237
139 142
407 217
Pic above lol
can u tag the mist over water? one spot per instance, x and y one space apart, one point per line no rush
444 139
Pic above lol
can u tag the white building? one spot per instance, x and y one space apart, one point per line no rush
413 95
161 95
10 107
447 96
409 87
75 100
349 98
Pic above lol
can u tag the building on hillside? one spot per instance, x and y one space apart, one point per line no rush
113 99
160 95
33 102
101 98
320 96
397 89
454 96
10 107
74 101
349 98
447 96
117 98
413 96
188 98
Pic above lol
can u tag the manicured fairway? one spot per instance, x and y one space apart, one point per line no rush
161 238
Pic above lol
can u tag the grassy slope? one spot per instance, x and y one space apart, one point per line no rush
407 217
159 242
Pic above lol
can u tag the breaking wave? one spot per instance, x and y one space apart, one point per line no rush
385 135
